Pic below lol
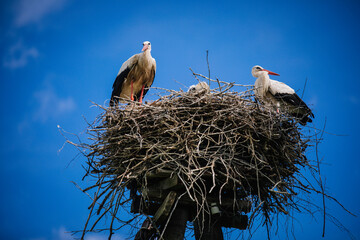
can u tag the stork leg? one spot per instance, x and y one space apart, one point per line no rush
132 92
142 93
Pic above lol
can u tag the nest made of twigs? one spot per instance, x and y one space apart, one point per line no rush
221 145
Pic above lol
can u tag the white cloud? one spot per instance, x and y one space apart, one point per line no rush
94 236
32 11
61 234
50 105
18 55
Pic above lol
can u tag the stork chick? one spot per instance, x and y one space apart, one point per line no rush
201 87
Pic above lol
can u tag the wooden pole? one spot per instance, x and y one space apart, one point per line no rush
175 230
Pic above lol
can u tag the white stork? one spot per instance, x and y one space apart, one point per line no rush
280 95
135 76
201 87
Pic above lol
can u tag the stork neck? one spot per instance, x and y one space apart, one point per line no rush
264 78
145 58
262 84
147 53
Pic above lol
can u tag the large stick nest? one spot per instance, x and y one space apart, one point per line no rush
220 144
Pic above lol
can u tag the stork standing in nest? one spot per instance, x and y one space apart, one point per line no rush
135 76
280 95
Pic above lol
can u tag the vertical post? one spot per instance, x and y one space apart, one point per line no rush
175 230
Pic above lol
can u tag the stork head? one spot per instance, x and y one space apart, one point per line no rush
257 70
146 46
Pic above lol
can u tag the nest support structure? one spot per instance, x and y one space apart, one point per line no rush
219 155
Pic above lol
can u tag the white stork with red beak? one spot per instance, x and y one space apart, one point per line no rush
280 95
135 76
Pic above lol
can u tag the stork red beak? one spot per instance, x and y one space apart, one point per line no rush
145 47
271 73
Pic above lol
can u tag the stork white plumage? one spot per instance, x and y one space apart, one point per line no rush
135 76
280 95
201 87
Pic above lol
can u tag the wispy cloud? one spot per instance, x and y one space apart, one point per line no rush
56 234
50 105
61 234
28 12
32 11
102 237
96 237
18 55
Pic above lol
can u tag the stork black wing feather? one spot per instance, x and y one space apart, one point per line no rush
296 101
117 86
292 99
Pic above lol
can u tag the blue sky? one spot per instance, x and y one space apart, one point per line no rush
57 55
